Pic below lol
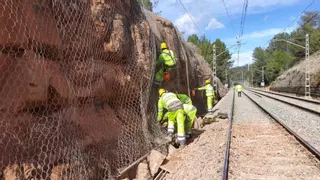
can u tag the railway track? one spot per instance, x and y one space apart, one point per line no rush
261 146
302 103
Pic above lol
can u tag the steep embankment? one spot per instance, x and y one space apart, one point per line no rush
293 80
76 86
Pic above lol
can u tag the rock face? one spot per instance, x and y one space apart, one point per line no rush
76 85
293 80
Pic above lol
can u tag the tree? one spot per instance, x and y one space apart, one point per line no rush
277 63
279 56
205 49
148 4
260 60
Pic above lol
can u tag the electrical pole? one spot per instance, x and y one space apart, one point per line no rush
307 81
262 76
252 79
226 75
307 73
214 68
242 76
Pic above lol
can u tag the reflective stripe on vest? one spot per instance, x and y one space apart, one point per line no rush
170 99
168 57
209 90
188 108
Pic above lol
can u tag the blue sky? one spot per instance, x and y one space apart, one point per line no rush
265 18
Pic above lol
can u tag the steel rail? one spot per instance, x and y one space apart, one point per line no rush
292 104
289 96
227 153
307 145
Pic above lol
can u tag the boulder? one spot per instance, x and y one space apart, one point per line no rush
155 160
76 82
143 172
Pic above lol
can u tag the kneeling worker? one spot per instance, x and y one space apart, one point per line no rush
209 93
175 113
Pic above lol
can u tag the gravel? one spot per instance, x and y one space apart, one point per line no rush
262 149
224 105
313 106
306 124
247 112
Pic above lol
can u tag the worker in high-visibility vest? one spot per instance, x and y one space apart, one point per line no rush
209 93
239 89
174 106
185 99
190 111
166 60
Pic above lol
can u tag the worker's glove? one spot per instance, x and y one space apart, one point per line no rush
163 123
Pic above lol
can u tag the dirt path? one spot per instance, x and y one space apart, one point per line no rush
262 149
203 158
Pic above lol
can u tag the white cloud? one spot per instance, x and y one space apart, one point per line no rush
214 24
185 24
266 33
244 58
202 12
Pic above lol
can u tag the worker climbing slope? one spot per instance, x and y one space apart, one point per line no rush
166 62
174 106
209 93
239 90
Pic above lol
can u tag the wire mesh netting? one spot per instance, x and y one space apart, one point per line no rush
76 89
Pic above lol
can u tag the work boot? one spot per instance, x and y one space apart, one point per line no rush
182 144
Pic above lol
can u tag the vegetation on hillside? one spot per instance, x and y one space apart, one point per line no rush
148 4
280 56
205 49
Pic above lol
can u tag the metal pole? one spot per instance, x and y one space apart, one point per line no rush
242 76
214 68
226 75
252 79
262 78
307 81
187 71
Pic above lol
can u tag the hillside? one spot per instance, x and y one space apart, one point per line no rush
293 80
77 96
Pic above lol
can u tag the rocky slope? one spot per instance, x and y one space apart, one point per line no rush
77 96
293 80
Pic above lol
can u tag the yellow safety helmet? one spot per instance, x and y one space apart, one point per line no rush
163 46
161 91
208 81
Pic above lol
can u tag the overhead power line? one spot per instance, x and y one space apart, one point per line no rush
225 7
242 24
190 16
294 20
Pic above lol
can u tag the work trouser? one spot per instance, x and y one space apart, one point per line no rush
160 73
159 76
177 116
210 103
191 112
